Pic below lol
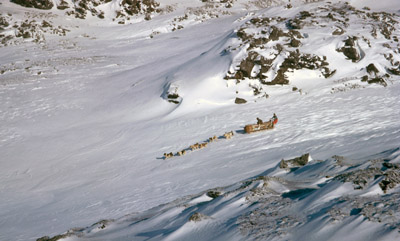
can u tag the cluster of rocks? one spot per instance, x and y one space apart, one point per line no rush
379 22
264 31
4 24
274 45
395 69
128 8
389 174
173 98
136 7
376 208
210 9
31 29
270 219
80 8
374 77
39 4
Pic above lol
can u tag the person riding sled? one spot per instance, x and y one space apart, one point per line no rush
274 119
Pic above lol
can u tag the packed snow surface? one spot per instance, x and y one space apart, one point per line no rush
86 119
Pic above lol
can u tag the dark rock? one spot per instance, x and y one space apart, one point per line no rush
173 96
351 53
392 178
241 33
395 71
301 161
3 22
349 50
364 78
377 80
246 66
326 72
26 35
280 78
46 24
283 164
350 41
213 194
239 75
295 43
240 101
173 101
295 33
389 165
372 69
294 24
338 32
62 5
258 42
295 162
305 14
276 33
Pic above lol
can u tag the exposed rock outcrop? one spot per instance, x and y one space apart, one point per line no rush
39 4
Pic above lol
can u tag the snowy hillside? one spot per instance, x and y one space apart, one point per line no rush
93 93
299 199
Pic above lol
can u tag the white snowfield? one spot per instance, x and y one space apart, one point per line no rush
86 118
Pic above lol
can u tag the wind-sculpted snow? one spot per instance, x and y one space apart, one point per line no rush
297 203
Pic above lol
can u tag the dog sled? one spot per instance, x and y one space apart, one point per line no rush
261 126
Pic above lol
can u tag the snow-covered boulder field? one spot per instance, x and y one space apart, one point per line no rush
124 120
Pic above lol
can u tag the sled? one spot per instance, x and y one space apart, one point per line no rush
259 127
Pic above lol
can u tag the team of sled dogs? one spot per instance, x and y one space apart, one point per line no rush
227 135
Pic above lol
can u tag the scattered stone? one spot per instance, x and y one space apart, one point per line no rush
173 96
395 71
349 50
371 69
295 162
213 194
240 101
197 217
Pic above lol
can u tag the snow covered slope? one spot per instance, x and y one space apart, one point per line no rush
335 199
88 107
